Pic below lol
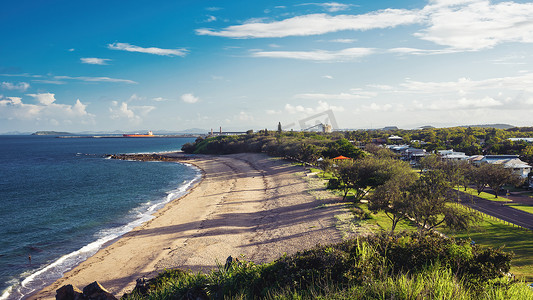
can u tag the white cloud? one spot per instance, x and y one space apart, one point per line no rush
96 79
210 19
377 107
122 111
340 96
318 55
273 112
189 98
327 76
316 24
159 99
49 81
321 107
21 86
459 104
523 82
381 86
134 97
47 110
94 60
477 24
344 41
150 50
459 25
243 116
44 98
334 6
415 51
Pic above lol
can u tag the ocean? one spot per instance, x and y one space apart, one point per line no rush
61 200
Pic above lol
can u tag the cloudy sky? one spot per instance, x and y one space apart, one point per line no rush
172 65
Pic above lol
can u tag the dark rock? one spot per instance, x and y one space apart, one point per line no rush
230 261
142 286
95 291
196 293
69 292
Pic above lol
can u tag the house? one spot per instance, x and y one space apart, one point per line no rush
408 153
528 140
452 155
476 159
509 161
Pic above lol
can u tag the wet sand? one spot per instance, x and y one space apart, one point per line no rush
246 204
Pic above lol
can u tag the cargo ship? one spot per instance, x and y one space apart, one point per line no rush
148 134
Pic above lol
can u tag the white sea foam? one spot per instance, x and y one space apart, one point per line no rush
49 273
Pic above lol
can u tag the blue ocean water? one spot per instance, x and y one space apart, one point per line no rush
61 200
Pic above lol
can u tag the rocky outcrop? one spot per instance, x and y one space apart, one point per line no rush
94 291
69 292
149 157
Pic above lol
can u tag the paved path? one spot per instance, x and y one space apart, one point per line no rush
498 210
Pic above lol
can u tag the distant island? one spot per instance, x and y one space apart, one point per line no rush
51 133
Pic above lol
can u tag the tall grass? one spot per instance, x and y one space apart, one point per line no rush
403 266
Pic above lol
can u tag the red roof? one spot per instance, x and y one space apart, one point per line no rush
342 157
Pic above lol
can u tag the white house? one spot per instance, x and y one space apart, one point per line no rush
452 155
509 161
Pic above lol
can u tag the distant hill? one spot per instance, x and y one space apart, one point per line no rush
497 126
15 133
51 133
194 130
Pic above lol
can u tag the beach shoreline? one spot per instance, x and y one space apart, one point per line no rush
244 204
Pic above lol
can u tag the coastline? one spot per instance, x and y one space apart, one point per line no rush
245 204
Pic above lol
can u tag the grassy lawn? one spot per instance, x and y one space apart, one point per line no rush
381 221
485 195
522 207
489 232
495 233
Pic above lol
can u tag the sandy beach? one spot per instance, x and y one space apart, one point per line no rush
246 204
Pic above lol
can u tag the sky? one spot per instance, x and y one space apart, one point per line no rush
172 65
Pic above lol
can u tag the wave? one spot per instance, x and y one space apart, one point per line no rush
46 275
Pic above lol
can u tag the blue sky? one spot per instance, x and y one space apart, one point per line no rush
173 65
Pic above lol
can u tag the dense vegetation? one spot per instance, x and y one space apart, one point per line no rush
308 146
385 266
471 140
301 146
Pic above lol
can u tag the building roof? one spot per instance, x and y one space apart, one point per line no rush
529 140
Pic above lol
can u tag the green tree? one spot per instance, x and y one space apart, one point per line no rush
497 176
429 207
393 197
345 148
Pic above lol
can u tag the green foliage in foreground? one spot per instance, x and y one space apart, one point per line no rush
385 266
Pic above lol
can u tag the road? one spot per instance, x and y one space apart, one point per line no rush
498 210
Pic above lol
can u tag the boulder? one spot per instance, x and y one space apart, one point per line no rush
230 261
69 292
95 291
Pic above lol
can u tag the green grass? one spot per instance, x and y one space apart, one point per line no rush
484 195
403 266
381 221
522 207
495 233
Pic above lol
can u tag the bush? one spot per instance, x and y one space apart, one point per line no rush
387 264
